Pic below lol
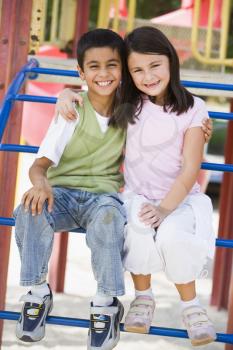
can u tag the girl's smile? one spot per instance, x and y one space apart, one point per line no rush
150 73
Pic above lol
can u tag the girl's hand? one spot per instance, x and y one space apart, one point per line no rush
152 215
36 197
207 128
64 105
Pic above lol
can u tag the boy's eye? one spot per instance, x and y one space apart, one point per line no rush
155 65
93 67
112 65
137 70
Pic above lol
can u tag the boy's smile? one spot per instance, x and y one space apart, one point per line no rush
102 71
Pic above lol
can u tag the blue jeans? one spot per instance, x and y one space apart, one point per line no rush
101 215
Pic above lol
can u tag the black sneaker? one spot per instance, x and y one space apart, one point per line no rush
31 325
104 331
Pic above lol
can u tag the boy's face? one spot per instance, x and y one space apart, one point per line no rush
101 70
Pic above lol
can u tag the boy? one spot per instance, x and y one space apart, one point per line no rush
75 179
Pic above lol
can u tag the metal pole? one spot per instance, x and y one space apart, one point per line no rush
229 267
223 259
14 34
81 24
58 259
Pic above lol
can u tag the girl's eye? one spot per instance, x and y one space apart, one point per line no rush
137 70
93 67
155 66
112 65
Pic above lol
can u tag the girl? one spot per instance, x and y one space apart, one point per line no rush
169 220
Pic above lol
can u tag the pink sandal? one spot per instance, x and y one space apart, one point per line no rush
140 315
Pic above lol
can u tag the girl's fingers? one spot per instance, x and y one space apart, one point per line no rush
68 112
156 224
78 99
147 216
145 209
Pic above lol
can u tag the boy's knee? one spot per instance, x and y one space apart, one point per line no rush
107 228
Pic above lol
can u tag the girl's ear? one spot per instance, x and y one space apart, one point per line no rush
81 73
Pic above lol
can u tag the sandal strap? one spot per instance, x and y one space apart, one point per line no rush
144 302
141 306
196 316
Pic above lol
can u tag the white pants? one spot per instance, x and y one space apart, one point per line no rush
176 247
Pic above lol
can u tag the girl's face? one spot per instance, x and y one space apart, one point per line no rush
150 73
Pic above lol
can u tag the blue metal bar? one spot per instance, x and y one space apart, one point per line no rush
221 115
217 166
193 84
32 98
211 86
12 90
18 148
34 149
227 243
52 71
77 322
45 99
7 221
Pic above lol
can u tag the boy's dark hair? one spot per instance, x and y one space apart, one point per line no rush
99 38
149 40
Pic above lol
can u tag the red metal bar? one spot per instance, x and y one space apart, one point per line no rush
57 267
14 41
223 258
81 25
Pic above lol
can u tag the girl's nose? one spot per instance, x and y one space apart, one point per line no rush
148 76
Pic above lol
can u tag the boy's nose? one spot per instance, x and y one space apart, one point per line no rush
103 72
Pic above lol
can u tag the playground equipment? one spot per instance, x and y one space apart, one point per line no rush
199 29
31 70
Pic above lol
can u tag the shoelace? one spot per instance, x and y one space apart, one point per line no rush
32 311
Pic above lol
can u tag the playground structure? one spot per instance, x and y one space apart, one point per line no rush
16 56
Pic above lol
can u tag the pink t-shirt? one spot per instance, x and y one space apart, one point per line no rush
153 157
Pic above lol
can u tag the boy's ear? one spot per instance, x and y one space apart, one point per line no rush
81 73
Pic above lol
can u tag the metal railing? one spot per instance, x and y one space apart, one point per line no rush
225 19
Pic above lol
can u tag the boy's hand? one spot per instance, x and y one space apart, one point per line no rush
36 197
207 128
64 105
152 215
